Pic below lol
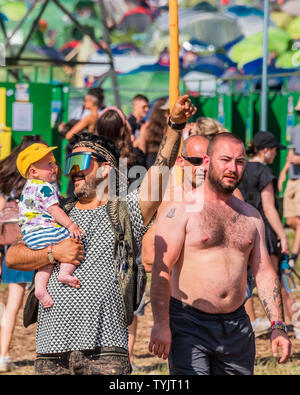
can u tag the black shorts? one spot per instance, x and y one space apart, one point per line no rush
210 344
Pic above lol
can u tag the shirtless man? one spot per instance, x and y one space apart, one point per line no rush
200 272
193 149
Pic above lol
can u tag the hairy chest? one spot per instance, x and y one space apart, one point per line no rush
221 228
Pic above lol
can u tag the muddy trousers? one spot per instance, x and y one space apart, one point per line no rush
100 361
210 344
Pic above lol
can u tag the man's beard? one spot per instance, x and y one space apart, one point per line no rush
87 190
217 183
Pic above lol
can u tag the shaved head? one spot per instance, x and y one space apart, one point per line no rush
194 146
222 138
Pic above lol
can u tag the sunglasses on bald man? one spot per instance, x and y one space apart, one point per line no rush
194 160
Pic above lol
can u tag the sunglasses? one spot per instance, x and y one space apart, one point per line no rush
194 160
80 161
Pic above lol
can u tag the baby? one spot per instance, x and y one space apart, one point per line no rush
42 222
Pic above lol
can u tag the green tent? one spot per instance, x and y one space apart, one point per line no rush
14 11
251 47
294 28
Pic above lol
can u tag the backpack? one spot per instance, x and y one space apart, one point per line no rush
9 223
131 276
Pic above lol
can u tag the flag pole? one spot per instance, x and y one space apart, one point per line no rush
174 70
264 85
174 53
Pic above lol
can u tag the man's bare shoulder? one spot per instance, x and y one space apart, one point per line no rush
246 209
172 210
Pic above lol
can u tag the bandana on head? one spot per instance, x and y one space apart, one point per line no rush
100 150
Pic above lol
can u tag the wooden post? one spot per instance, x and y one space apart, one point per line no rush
174 53
174 69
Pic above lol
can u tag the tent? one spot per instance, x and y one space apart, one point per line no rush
208 27
138 20
291 7
124 63
294 28
249 19
281 19
251 47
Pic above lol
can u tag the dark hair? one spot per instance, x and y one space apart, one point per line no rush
140 97
220 136
111 126
157 126
100 140
98 93
251 150
10 178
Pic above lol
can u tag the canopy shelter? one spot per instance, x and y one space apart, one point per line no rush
33 16
208 27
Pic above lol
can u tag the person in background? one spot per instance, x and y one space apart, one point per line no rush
259 187
93 102
11 185
80 111
291 198
140 107
113 125
205 126
155 130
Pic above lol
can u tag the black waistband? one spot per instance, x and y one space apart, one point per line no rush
204 315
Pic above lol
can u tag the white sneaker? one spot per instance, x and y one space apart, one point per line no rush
261 326
6 364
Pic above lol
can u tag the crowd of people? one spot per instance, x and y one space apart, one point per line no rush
219 196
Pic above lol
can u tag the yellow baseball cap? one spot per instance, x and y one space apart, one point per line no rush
30 155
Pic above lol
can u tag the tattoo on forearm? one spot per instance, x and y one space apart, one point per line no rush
171 213
161 160
174 152
266 307
275 299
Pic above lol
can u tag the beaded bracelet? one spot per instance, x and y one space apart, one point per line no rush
279 325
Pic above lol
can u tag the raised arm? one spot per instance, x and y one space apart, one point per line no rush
269 290
78 127
155 182
168 246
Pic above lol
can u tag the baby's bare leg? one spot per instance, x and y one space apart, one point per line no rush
66 275
40 282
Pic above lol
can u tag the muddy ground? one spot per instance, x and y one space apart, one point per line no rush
23 348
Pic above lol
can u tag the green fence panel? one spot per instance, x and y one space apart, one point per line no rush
49 107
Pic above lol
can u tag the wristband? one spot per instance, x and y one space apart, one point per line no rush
278 325
176 126
50 255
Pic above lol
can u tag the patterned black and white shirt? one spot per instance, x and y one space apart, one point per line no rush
91 316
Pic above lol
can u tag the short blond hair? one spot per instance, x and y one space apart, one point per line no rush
206 126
